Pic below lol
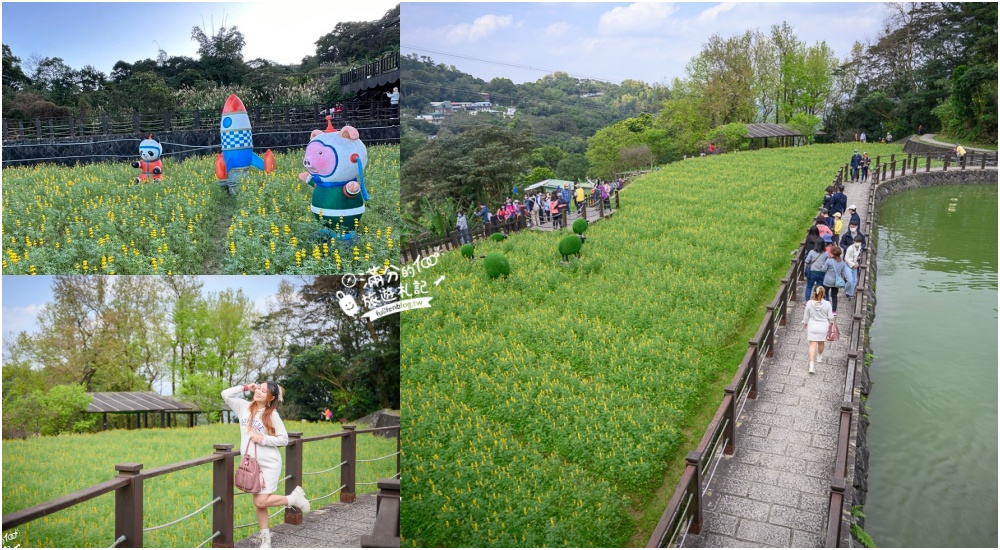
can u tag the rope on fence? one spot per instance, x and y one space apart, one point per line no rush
215 534
379 458
280 509
147 529
327 470
680 524
118 541
744 395
367 483
329 495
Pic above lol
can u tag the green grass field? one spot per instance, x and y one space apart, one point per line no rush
91 220
546 408
43 468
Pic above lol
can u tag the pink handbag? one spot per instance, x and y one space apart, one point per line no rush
249 476
832 333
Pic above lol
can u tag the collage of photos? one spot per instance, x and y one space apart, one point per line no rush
201 276
499 274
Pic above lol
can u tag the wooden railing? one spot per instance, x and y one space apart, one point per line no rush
128 487
388 63
385 534
838 513
913 163
139 124
414 249
685 511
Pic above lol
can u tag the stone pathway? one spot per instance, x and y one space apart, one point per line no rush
931 139
337 525
774 489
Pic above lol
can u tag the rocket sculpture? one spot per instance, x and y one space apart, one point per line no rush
237 146
335 168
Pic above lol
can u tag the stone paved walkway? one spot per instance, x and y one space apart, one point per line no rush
336 525
774 489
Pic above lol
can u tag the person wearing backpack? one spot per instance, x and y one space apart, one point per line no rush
816 265
261 424
835 275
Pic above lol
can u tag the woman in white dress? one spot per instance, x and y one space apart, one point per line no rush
260 424
816 320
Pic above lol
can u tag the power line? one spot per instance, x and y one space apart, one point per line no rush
505 64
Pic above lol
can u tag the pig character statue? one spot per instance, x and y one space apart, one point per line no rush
335 168
149 165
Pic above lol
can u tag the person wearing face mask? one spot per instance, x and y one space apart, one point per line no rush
852 235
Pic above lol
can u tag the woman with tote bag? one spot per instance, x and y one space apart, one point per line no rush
260 467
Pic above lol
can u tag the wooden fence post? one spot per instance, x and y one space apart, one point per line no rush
222 487
928 169
135 122
730 431
293 468
618 204
399 453
348 455
694 459
946 159
128 505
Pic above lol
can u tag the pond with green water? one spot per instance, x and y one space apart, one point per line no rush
933 437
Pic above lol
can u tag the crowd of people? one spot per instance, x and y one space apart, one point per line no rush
832 264
541 207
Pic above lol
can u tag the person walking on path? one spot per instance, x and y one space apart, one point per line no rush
816 319
835 276
838 223
581 196
866 161
852 235
838 201
855 165
555 212
566 195
852 256
816 265
855 218
260 424
462 226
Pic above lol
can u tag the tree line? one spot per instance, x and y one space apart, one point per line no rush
119 334
931 68
48 87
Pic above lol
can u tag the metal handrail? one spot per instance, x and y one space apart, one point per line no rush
147 529
376 459
327 470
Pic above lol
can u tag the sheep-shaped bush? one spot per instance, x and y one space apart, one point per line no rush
570 245
497 237
468 251
496 265
579 226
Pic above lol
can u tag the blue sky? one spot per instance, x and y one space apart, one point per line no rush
100 34
24 295
651 42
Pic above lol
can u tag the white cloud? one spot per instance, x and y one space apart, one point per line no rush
638 17
556 30
712 13
481 28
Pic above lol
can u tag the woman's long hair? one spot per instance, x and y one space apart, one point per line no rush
818 293
274 394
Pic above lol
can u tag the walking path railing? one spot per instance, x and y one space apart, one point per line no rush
685 511
415 249
914 162
128 488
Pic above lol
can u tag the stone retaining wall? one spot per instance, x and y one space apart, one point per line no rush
176 145
863 387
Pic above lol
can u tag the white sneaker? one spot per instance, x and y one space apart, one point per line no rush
265 538
812 368
298 500
819 358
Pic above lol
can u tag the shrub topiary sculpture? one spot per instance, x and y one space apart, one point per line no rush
569 245
579 226
496 265
497 237
468 251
